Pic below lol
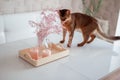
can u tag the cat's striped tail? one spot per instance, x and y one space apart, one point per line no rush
107 37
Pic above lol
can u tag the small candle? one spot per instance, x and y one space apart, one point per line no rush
34 53
46 53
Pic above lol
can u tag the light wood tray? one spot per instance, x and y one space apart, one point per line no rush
57 53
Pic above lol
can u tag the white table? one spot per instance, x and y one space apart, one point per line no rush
89 62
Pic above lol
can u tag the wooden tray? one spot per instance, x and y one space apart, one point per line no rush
57 52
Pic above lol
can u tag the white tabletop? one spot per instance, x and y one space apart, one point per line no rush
89 62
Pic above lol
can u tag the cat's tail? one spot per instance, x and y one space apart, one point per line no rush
107 37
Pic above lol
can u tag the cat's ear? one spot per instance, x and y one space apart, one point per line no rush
58 11
68 12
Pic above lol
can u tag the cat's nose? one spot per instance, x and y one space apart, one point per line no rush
63 19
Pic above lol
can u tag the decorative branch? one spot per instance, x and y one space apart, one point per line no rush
93 7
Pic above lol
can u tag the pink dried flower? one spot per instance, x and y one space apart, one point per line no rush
50 23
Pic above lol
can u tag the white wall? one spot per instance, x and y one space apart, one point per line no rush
77 6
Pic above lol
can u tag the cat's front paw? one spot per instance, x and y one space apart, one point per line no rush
68 45
80 45
62 41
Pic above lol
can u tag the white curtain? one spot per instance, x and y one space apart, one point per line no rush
117 43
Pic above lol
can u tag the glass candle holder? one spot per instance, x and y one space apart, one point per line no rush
48 47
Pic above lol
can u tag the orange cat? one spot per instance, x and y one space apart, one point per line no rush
86 24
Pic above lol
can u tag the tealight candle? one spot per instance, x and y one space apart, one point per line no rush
46 52
34 53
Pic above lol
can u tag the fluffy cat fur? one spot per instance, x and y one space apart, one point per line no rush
86 24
